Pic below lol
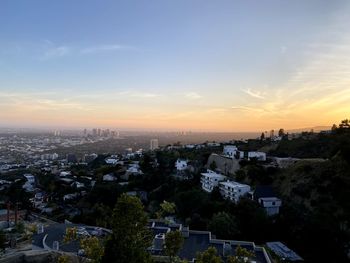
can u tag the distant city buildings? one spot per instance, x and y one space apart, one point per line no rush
98 132
154 144
71 158
88 158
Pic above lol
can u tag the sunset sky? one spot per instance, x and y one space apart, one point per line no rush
174 65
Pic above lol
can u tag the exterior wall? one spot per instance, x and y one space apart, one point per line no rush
261 156
30 178
271 205
211 180
233 192
181 165
226 165
230 150
154 144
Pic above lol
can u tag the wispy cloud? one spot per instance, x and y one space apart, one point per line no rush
47 49
254 93
250 109
55 52
139 94
193 96
283 49
103 48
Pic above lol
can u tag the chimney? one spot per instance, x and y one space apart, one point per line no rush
185 231
227 249
158 242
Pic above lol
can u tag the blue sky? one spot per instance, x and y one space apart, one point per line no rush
174 65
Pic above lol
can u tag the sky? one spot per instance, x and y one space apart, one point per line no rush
171 65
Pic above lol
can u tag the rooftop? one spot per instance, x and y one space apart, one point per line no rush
199 241
233 184
283 251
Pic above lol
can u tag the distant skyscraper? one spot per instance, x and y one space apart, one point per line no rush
85 132
94 132
272 134
99 132
57 133
71 158
154 144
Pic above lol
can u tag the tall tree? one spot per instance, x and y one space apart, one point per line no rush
209 256
224 226
131 237
242 255
173 243
93 248
281 132
262 136
166 208
2 241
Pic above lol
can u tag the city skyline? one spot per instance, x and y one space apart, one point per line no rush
228 66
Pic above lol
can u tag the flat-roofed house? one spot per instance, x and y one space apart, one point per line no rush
210 179
233 191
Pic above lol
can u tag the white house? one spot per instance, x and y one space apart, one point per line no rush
271 205
232 190
181 164
111 160
213 144
64 174
230 150
109 178
260 156
210 180
134 170
30 178
70 196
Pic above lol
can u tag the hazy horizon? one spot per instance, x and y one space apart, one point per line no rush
211 66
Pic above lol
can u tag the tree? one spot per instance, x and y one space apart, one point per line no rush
2 241
262 136
93 248
213 166
20 227
209 256
241 255
281 132
173 243
240 175
345 124
166 208
131 237
334 127
63 259
224 225
71 234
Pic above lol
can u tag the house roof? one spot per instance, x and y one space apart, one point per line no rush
199 241
263 191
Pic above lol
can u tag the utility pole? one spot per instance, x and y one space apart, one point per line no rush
8 213
16 213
